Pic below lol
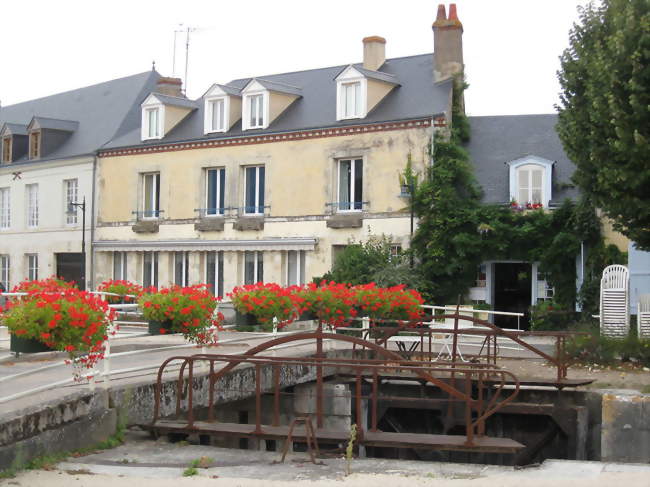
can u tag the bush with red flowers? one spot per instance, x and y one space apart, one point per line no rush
332 303
265 301
125 289
68 320
393 303
50 284
187 310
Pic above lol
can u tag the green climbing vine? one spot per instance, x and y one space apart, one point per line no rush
457 232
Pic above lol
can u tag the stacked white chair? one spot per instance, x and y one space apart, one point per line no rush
614 302
643 316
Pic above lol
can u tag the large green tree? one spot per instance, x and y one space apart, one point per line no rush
604 119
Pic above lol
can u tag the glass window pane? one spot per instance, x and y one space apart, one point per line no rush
536 196
148 194
251 180
260 266
344 184
523 178
357 99
222 186
358 184
537 178
117 265
292 267
211 203
211 271
260 189
249 267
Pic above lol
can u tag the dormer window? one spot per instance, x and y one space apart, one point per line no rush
6 149
34 145
152 128
351 100
531 181
217 115
256 111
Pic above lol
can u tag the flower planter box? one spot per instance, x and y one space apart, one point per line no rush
156 326
245 319
27 345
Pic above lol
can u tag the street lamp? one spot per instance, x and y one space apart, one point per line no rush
72 210
407 191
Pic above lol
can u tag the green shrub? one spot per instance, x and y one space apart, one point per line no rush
596 349
549 316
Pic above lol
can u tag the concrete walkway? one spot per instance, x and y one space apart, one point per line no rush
144 462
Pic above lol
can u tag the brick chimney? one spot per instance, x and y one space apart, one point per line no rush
447 44
170 86
374 52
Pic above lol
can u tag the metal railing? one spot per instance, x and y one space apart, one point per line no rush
147 214
345 206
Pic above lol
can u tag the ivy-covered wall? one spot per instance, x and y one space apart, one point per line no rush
457 231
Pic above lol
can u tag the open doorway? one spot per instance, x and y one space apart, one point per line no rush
69 266
512 293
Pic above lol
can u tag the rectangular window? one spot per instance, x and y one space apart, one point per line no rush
214 272
151 195
5 208
530 184
32 205
350 181
544 290
150 269
395 251
153 122
481 276
34 145
217 108
119 266
295 267
32 267
215 191
4 272
254 203
256 105
6 149
351 99
253 267
70 188
181 268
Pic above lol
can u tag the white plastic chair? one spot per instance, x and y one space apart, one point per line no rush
643 316
614 302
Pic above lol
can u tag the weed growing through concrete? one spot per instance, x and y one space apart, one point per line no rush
350 449
190 471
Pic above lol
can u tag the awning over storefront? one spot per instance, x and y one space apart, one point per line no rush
294 243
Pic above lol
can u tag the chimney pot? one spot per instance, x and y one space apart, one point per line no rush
442 15
452 12
170 86
374 52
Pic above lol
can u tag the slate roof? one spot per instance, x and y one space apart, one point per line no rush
417 96
279 87
378 75
14 128
102 111
497 140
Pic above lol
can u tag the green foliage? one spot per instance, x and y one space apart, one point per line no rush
550 316
604 120
349 449
190 471
596 349
371 261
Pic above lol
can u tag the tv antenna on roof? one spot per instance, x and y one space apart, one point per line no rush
176 31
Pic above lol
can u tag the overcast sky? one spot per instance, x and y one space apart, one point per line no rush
511 47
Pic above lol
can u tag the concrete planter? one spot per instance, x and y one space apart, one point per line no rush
245 319
27 345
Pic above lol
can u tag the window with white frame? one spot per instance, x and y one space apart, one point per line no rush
32 267
531 181
151 195
119 266
351 101
255 111
150 269
32 204
253 267
395 251
152 121
6 149
214 272
4 271
5 208
254 190
530 184
545 291
350 185
217 115
70 189
181 268
215 184
295 267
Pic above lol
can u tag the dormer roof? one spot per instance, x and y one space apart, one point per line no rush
174 101
52 124
359 70
273 86
13 129
222 90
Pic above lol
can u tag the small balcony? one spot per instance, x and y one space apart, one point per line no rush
251 217
147 221
211 219
346 214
